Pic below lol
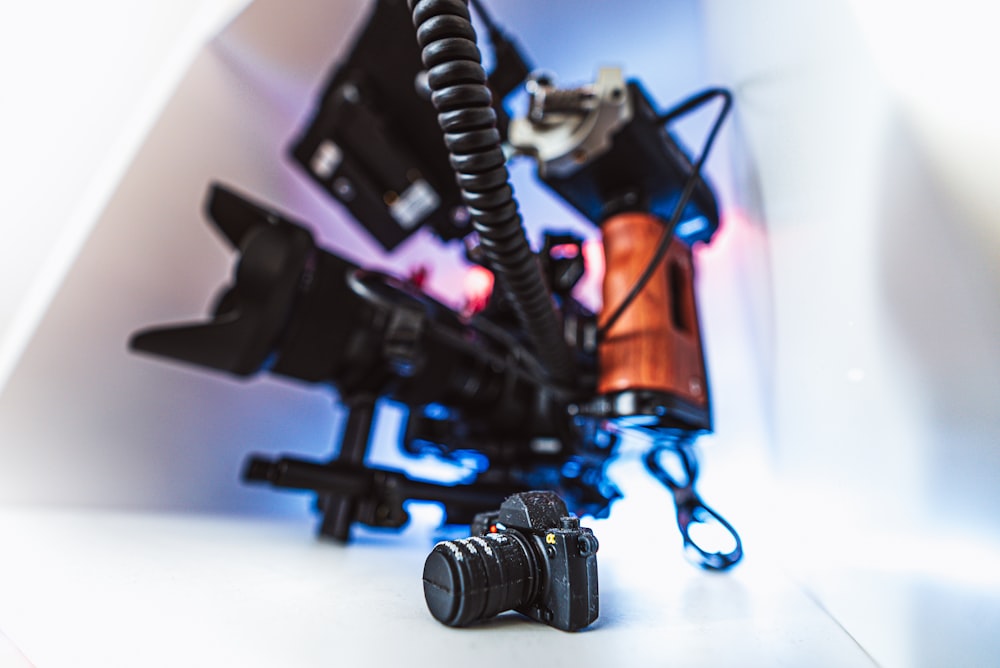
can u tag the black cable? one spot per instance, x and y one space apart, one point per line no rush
685 107
459 93
692 103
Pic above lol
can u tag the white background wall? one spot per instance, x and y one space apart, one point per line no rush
873 146
872 130
83 84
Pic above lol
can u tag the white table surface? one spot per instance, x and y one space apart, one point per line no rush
99 588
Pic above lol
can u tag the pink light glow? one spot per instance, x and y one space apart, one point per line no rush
588 290
478 288
593 258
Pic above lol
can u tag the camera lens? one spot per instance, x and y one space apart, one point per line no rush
476 578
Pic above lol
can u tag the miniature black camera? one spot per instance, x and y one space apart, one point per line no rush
530 556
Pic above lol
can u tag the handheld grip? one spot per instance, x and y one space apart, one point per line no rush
656 343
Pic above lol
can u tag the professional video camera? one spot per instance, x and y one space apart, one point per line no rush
535 385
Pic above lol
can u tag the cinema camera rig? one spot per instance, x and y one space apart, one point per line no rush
536 386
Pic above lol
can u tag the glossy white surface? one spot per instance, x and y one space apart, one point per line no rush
103 589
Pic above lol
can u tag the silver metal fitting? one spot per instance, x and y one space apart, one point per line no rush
566 128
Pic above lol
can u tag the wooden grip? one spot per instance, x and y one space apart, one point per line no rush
656 343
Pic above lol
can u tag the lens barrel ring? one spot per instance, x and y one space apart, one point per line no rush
475 578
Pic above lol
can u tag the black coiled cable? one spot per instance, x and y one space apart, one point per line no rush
459 93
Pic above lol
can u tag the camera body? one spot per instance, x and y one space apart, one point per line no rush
531 556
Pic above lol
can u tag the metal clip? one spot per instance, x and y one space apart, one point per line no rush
690 508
